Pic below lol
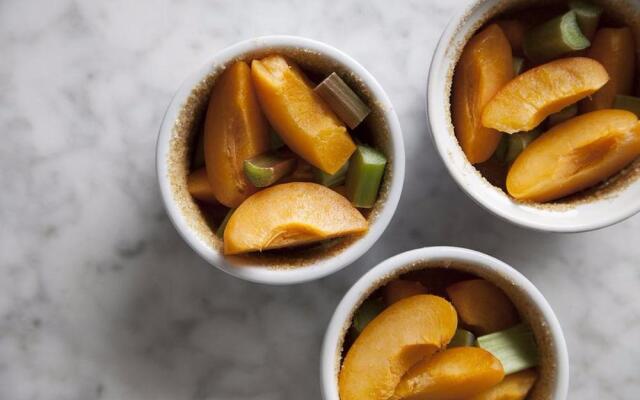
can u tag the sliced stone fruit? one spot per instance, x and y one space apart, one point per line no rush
514 30
399 289
485 66
615 50
403 334
575 155
531 97
199 187
290 214
303 120
235 130
451 375
482 306
514 387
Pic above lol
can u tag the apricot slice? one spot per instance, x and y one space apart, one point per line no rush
485 66
531 97
482 306
199 186
302 119
399 289
234 130
575 155
615 50
514 387
290 214
403 334
514 30
451 375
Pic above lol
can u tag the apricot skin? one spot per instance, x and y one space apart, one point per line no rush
514 30
235 130
485 66
399 337
453 374
575 155
199 186
527 100
290 214
302 119
399 289
615 50
482 306
514 387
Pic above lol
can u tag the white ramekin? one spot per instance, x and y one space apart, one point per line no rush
529 301
582 216
252 271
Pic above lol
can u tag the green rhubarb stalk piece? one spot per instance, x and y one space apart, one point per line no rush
515 348
562 116
342 100
588 16
555 38
518 65
266 169
364 176
628 103
517 142
462 338
275 141
366 313
223 224
329 180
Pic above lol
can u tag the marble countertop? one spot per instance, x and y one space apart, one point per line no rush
101 299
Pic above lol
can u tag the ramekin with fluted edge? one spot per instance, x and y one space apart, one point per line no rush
589 210
184 118
553 382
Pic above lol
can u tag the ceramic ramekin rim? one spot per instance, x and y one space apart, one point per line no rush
469 183
335 329
326 266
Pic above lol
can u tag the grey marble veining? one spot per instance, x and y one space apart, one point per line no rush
99 297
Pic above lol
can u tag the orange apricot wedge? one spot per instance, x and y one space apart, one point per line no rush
290 214
234 130
399 289
199 187
302 119
514 387
403 334
575 155
527 100
453 374
514 30
485 66
615 50
482 306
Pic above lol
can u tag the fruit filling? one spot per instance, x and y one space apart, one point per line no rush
537 98
277 158
437 334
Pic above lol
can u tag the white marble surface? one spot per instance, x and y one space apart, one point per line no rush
99 297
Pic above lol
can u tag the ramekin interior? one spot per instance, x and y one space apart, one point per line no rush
185 214
603 207
554 368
